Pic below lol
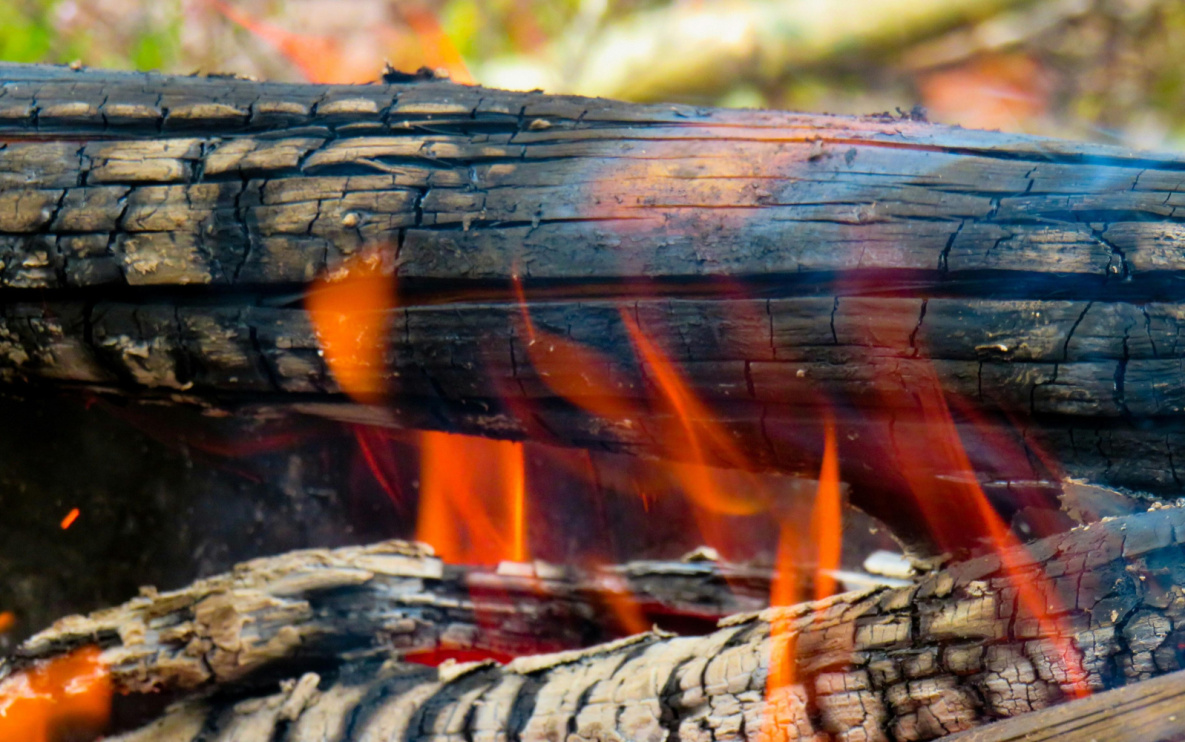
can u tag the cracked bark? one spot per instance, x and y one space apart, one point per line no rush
315 606
157 235
955 651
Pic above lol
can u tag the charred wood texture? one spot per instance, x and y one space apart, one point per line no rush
313 607
157 235
960 648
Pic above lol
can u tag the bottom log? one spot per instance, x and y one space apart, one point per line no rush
991 638
1147 710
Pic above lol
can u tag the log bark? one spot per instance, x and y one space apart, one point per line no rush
956 650
157 235
314 607
1149 709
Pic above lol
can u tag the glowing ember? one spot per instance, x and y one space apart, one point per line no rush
350 309
68 697
7 621
70 518
473 506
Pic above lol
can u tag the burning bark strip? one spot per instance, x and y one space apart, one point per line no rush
952 652
158 235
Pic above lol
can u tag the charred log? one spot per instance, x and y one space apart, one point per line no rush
963 647
311 608
157 235
1144 710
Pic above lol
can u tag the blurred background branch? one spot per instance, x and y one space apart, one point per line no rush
1096 69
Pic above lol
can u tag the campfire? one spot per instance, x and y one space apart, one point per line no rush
653 422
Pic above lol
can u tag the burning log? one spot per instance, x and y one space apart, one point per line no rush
990 638
688 282
315 606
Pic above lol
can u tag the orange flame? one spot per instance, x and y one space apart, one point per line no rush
960 503
473 506
571 370
826 531
69 696
350 309
826 517
7 621
704 440
318 58
628 614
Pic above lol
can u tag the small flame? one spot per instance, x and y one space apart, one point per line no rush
66 697
70 518
571 370
7 621
319 59
704 440
473 507
350 309
826 517
624 606
826 536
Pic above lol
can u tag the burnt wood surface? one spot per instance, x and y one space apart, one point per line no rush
955 650
1147 710
157 235
313 607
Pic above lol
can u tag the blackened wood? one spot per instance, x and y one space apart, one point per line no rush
157 235
953 652
316 606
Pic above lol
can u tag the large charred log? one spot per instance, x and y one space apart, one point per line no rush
157 236
962 647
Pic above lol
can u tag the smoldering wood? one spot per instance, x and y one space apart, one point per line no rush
314 607
956 650
157 235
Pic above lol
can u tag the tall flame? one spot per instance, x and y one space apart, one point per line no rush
826 517
66 697
826 530
959 503
473 507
